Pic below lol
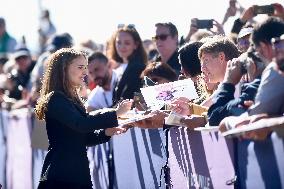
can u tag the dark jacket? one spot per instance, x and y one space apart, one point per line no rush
173 62
237 26
70 129
130 81
225 103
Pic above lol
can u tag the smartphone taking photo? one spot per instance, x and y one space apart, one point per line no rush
204 24
265 9
139 102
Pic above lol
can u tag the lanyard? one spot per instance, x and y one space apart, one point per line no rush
106 101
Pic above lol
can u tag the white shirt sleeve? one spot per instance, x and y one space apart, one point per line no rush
92 99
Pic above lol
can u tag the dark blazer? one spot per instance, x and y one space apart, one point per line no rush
70 129
130 81
173 62
225 104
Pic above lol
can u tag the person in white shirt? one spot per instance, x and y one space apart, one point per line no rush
105 79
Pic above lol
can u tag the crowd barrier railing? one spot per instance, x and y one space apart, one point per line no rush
194 159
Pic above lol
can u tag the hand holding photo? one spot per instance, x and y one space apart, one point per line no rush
159 95
174 119
131 117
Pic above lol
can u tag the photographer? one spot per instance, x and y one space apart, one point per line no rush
269 95
275 10
225 104
266 122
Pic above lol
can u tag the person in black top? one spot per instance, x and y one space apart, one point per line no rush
127 50
69 128
166 40
19 73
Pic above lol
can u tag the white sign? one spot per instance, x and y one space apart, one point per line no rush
158 95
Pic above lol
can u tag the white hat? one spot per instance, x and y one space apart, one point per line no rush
21 52
245 31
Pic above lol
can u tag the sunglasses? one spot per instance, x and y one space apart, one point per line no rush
130 26
278 44
243 42
161 37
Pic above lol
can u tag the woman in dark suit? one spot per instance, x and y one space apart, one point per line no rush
69 128
127 50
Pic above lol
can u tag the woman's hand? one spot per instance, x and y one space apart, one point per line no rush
115 131
123 107
154 122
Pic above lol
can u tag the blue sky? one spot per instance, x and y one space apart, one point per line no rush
97 19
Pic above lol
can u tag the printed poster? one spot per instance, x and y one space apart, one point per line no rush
159 95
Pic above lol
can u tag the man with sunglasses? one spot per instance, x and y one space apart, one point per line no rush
166 40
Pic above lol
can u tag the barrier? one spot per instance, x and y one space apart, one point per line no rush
261 163
138 158
3 148
98 158
195 159
19 152
200 159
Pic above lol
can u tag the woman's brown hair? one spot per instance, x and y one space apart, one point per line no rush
56 79
138 53
158 69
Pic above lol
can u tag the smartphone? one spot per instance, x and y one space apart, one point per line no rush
265 9
201 24
148 82
139 102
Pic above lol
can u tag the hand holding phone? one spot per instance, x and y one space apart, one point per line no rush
139 102
204 24
265 9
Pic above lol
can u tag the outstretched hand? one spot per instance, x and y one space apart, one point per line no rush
153 122
123 107
116 130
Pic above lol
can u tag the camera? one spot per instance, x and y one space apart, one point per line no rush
244 60
204 24
265 9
